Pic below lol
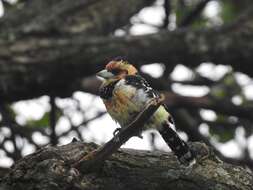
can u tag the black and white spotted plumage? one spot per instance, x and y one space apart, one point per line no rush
140 83
105 92
126 97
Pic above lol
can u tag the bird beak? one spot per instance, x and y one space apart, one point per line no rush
105 74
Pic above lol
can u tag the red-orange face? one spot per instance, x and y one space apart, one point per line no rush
117 69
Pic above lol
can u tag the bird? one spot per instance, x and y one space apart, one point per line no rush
125 94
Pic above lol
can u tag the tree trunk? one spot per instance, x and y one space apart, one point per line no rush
51 168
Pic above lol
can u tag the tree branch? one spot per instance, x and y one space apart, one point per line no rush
97 157
34 62
50 168
193 15
208 102
55 18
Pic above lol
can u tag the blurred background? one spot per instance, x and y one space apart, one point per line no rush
198 53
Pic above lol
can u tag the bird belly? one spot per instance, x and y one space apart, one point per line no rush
126 103
122 106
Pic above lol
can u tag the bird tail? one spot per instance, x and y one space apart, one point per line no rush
177 145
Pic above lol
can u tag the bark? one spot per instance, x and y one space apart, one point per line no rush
54 18
30 36
3 172
38 59
51 168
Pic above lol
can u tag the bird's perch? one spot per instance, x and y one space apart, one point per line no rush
95 158
55 167
51 169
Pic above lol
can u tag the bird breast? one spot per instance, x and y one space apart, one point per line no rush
125 103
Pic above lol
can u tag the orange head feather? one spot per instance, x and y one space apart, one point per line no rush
121 67
117 69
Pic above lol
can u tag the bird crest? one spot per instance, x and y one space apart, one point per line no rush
119 65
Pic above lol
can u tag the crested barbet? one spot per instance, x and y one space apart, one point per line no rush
125 94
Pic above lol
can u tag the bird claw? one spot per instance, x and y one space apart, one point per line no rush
116 131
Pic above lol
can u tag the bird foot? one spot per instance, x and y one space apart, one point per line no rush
116 131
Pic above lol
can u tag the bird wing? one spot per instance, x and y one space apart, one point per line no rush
140 83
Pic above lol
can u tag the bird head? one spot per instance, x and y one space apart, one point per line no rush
117 69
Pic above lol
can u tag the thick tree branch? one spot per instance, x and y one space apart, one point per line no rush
54 18
126 169
3 172
51 65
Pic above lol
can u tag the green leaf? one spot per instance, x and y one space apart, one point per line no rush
228 11
44 120
222 133
200 23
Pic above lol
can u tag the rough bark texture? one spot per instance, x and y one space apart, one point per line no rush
50 168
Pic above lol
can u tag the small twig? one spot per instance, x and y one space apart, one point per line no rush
9 121
6 4
167 9
52 120
98 156
82 125
193 14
